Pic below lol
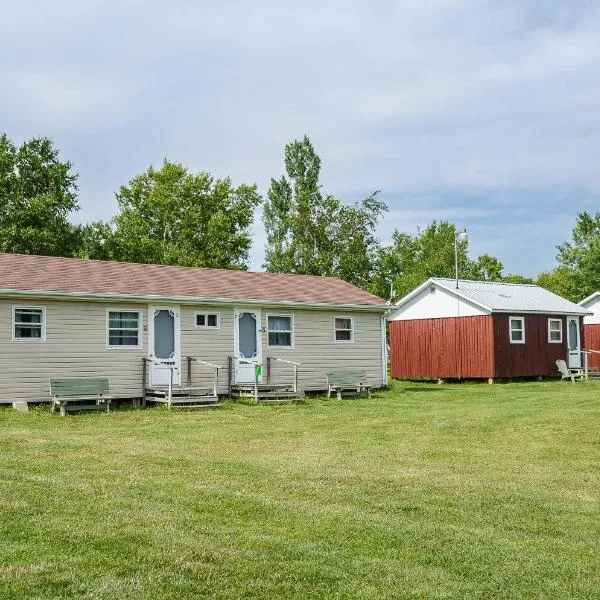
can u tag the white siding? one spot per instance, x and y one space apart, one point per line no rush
75 346
593 305
435 303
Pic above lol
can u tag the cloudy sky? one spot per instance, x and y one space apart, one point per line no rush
481 112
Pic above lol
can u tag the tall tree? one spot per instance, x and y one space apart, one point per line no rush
316 234
172 216
412 259
579 259
38 192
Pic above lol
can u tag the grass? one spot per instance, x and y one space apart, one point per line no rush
425 491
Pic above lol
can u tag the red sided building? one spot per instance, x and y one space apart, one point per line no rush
591 328
483 330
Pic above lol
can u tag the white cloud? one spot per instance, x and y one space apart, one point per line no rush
432 102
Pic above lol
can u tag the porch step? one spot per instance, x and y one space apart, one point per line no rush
205 401
177 392
266 392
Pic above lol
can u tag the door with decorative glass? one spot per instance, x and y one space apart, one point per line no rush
573 343
247 345
163 345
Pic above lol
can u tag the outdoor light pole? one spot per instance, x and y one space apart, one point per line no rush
461 236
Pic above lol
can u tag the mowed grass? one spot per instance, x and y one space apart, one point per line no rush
425 491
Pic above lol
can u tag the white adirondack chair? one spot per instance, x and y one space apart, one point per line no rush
566 373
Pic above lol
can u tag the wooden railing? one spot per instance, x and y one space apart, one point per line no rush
191 359
586 354
147 360
296 366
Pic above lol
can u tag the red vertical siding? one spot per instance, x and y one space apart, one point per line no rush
592 342
536 357
449 348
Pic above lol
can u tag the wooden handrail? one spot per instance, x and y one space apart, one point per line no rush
284 360
216 368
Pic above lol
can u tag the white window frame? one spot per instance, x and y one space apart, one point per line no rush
43 331
351 340
510 329
560 331
139 329
200 312
292 331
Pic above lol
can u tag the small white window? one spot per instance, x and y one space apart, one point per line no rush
123 329
554 331
344 329
29 323
207 320
280 331
517 330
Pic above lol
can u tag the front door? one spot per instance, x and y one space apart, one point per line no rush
163 344
573 343
247 344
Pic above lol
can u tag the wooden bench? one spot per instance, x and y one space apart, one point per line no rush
350 382
79 393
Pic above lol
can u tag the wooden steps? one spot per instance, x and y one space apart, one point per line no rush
272 393
182 397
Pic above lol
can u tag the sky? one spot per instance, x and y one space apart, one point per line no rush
480 112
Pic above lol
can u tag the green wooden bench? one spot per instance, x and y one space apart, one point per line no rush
349 382
79 393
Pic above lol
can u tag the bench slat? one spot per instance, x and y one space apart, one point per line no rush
82 386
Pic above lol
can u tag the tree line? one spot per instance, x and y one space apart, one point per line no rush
170 215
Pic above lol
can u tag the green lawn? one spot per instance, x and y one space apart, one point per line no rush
426 491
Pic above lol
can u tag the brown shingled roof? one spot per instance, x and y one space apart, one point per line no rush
89 277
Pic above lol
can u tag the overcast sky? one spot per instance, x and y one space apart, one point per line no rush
481 112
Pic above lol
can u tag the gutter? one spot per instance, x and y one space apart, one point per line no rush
191 300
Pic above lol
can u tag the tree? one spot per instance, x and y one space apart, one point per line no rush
556 280
486 268
38 192
316 234
412 259
171 216
579 259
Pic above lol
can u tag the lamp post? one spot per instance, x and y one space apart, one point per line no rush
460 236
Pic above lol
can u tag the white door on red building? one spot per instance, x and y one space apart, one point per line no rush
573 343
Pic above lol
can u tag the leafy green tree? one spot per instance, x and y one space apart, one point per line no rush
557 280
579 259
486 268
38 192
171 216
513 278
412 259
316 234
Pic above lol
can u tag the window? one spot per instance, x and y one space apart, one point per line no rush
344 329
123 329
280 330
554 331
29 323
517 330
207 320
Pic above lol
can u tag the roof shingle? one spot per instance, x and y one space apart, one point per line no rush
50 274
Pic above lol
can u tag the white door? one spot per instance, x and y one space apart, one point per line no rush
247 344
163 344
573 343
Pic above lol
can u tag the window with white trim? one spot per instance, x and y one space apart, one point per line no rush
280 331
123 329
517 330
343 329
554 331
29 323
207 320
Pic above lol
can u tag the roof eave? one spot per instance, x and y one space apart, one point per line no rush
590 297
578 313
110 297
